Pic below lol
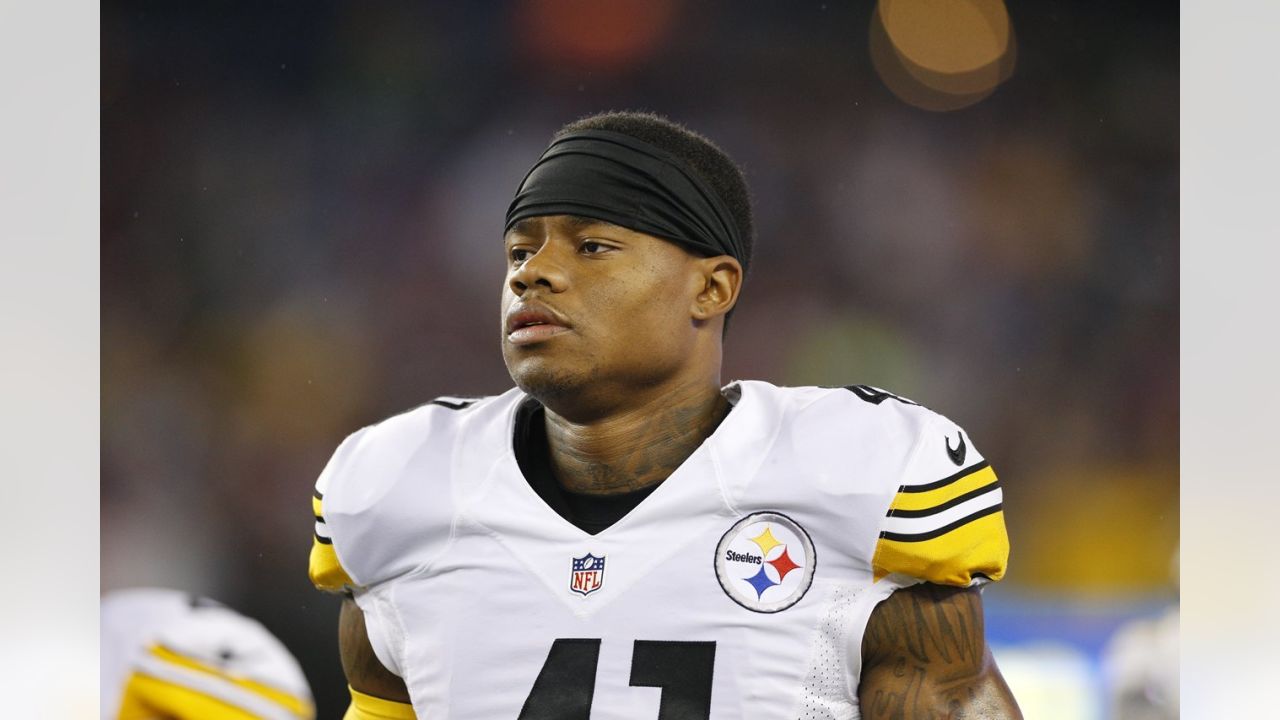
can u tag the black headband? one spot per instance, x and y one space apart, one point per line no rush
628 182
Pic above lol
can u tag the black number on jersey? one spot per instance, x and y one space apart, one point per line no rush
449 401
682 670
566 684
455 403
875 396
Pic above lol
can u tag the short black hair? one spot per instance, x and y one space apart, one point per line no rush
711 164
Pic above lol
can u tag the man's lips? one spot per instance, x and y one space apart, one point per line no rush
532 325
534 333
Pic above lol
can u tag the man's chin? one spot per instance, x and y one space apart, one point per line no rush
540 378
548 382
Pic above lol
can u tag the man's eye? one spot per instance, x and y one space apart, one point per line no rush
592 247
519 255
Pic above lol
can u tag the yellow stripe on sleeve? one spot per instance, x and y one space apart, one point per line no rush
146 697
977 549
324 568
908 500
368 707
298 706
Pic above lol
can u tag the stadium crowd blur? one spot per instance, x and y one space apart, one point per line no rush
301 234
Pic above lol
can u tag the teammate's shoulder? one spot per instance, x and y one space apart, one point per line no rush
203 652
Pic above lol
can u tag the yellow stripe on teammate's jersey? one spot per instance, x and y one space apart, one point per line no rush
301 707
148 696
977 549
325 570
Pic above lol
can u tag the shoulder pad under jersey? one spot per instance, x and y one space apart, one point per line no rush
937 501
384 504
945 524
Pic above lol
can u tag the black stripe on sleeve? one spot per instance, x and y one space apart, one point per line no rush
318 495
918 537
946 480
319 519
926 512
322 539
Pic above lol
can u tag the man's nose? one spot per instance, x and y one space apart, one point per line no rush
544 268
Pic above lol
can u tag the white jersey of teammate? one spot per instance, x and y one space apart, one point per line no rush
1140 664
740 588
167 654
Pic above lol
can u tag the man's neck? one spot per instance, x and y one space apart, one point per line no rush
635 447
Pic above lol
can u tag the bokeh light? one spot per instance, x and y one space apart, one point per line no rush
598 35
942 55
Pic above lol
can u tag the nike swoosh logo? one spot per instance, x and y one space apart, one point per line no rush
957 454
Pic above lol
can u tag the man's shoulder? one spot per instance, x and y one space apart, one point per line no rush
435 424
391 486
936 502
845 413
862 438
429 421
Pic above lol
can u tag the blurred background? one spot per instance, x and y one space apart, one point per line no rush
970 205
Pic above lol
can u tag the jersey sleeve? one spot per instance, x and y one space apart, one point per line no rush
384 503
215 663
384 508
945 523
325 569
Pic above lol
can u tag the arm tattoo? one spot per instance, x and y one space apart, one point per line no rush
924 656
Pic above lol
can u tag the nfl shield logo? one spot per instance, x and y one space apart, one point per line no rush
587 575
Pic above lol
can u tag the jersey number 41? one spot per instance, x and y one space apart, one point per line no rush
567 681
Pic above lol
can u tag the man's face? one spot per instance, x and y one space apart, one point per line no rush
589 306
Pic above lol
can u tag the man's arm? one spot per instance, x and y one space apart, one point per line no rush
365 673
924 656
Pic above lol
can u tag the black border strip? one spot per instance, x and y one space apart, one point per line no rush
317 495
926 512
946 480
461 404
918 537
321 539
874 395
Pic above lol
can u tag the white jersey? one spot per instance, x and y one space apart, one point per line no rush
1140 663
168 654
740 588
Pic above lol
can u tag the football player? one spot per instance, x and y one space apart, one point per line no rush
621 536
167 655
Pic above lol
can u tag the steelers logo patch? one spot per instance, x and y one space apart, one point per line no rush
765 562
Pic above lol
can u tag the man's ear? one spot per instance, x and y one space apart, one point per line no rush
721 279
